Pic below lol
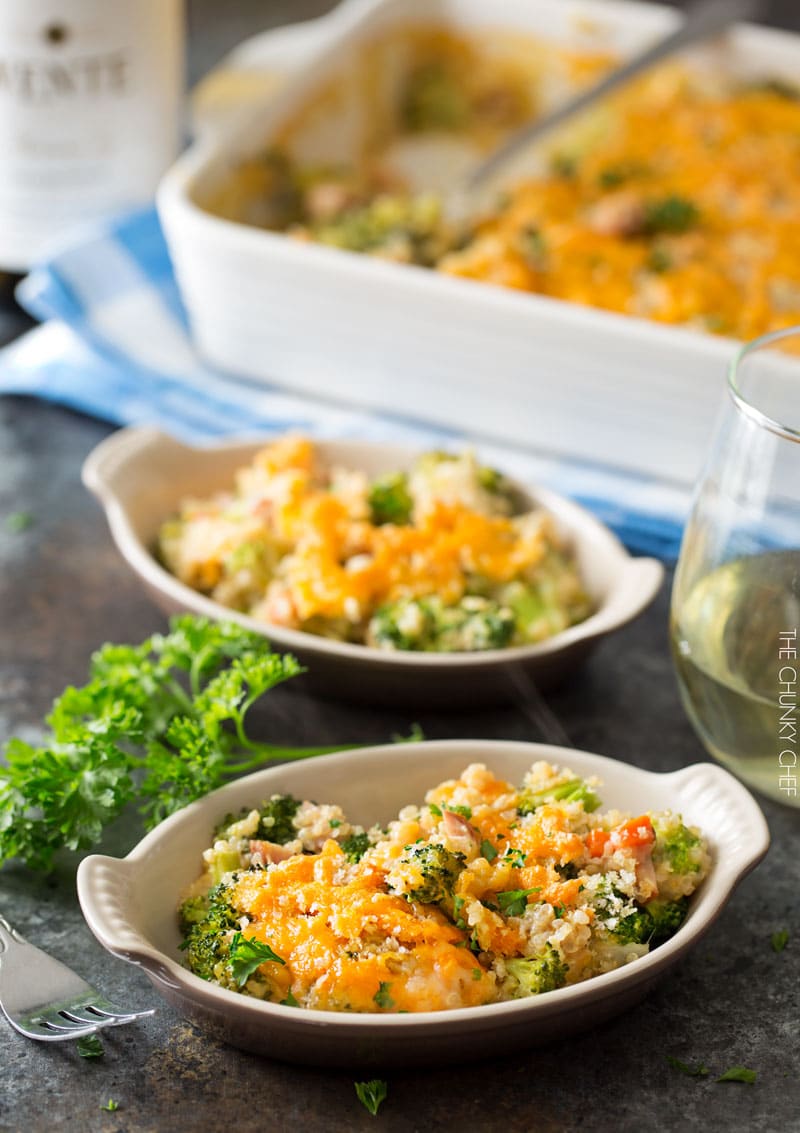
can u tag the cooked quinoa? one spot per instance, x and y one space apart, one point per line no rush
440 558
484 893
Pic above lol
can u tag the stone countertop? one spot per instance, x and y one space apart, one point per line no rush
64 590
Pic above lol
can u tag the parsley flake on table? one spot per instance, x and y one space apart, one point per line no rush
110 1105
779 940
698 1071
90 1046
371 1094
738 1074
18 521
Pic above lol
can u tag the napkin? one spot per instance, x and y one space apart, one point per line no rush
115 343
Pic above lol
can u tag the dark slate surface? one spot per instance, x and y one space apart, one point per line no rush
64 590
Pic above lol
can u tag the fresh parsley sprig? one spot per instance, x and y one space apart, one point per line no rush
160 723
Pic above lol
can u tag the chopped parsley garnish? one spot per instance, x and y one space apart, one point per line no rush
531 246
515 858
458 905
488 851
464 811
110 1106
290 1000
658 261
247 954
382 997
514 902
698 1071
437 810
371 1094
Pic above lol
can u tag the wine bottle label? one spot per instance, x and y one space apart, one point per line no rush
90 113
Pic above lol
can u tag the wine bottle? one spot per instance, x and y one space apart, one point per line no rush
90 113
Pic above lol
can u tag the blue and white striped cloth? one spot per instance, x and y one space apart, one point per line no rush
114 343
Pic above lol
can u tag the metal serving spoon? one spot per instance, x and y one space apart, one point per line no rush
702 20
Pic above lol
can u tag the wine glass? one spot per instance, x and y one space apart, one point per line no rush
735 617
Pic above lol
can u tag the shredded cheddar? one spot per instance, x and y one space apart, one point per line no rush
439 557
485 892
675 200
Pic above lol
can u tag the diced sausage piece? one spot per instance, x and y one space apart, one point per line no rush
328 199
621 214
268 853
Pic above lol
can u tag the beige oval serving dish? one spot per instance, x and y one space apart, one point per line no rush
140 475
130 904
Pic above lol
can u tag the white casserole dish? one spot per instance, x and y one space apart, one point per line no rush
130 904
523 368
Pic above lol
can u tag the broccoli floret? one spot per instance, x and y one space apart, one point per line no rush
678 844
667 917
671 214
473 625
427 624
653 923
389 499
438 869
355 846
407 624
535 976
192 911
636 928
410 227
207 924
573 790
434 100
276 823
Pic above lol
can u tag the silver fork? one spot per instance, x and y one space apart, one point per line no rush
44 999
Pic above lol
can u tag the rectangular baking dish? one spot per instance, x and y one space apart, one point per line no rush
534 372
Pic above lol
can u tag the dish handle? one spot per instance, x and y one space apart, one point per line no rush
105 469
106 893
636 584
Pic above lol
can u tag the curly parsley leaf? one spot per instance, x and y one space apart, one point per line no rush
371 1094
162 723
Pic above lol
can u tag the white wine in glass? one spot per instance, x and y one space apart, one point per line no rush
735 619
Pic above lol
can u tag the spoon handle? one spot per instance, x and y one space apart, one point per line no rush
702 20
